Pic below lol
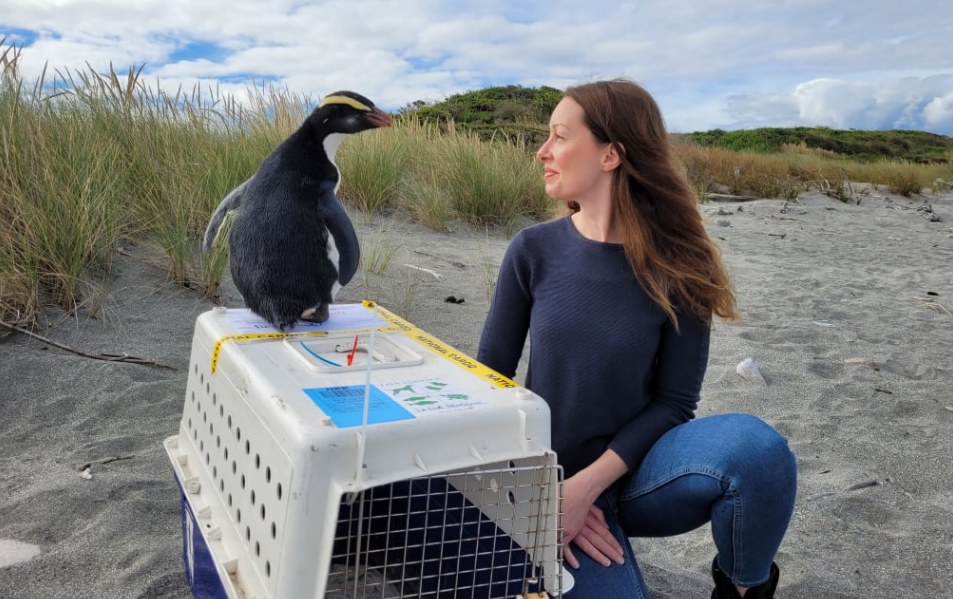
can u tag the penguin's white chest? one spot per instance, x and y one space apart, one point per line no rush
335 257
331 143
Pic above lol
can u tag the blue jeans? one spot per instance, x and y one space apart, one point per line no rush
733 470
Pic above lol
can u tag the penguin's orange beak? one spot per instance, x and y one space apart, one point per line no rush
379 118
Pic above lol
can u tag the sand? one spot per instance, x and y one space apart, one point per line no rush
845 313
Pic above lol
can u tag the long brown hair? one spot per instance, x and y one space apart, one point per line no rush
675 261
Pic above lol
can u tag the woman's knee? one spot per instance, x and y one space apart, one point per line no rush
764 457
750 442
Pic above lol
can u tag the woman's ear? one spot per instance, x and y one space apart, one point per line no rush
611 160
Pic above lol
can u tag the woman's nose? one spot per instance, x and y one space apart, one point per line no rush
543 151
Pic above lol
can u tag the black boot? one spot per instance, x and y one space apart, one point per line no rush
725 589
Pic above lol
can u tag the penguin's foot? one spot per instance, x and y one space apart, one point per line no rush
317 314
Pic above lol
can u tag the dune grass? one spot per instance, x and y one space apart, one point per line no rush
437 174
798 168
90 161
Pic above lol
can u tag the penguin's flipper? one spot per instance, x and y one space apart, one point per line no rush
231 201
345 238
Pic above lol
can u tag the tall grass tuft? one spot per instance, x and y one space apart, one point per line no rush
372 166
58 198
492 183
436 174
902 178
88 159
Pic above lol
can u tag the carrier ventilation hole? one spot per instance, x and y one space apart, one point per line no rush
268 569
253 497
279 491
257 461
238 433
263 512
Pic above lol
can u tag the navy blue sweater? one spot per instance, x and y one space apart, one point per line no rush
605 357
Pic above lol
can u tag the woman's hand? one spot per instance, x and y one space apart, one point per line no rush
585 525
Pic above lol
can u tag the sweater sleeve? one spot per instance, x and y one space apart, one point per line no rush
506 325
680 364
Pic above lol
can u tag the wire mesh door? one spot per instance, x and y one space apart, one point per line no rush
480 534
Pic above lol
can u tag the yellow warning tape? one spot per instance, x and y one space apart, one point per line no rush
441 349
398 324
217 350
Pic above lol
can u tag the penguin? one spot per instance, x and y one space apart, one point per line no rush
291 244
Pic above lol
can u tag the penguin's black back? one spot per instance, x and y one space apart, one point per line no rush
279 238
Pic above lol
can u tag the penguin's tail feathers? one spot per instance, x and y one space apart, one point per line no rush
232 201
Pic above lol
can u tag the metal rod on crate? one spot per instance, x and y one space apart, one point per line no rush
362 440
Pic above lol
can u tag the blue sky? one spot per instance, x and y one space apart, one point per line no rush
870 64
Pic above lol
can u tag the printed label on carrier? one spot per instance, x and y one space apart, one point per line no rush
390 402
345 405
428 397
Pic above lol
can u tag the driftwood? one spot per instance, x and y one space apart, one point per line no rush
87 465
104 357
725 197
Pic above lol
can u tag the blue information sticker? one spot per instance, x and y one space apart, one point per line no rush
345 405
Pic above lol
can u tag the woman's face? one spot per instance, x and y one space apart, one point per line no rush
574 160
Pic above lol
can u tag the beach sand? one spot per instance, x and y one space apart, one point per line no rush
845 312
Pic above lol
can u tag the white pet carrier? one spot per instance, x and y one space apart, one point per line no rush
360 458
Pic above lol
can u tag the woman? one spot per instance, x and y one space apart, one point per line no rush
618 299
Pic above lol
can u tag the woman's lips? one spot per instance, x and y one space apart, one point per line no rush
549 173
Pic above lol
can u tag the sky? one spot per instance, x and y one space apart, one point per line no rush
847 64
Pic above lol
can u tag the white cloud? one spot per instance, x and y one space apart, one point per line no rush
939 112
907 103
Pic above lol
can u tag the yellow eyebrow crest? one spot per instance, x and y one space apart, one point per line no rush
345 100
